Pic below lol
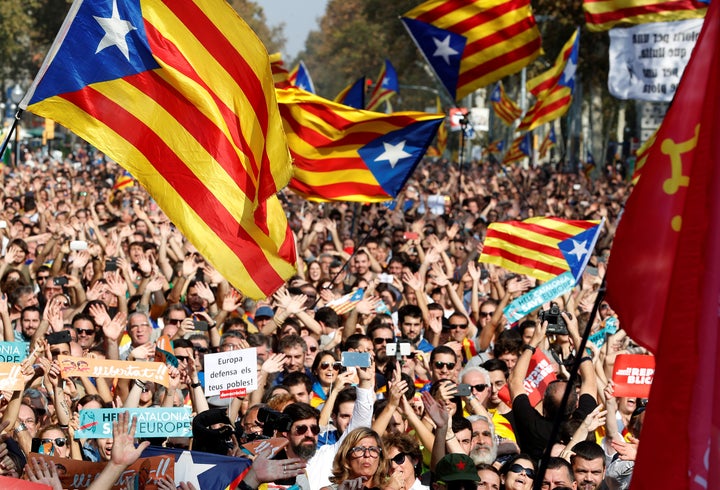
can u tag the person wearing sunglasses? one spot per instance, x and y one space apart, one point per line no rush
518 473
443 364
404 455
362 455
325 368
55 441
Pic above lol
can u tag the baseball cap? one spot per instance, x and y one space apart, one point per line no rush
456 467
264 311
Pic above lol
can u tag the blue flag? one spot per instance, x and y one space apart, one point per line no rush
204 470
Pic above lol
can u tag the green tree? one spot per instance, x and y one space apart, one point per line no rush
273 37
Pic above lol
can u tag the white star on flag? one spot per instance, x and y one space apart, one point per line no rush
116 29
393 153
579 249
444 50
187 470
569 71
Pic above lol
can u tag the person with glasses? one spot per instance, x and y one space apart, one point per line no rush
443 364
405 458
54 441
502 416
85 329
362 456
518 473
325 369
312 350
176 322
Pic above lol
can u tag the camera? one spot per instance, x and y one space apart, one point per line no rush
273 420
556 323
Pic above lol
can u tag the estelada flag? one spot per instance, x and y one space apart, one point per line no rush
601 15
180 93
663 278
633 375
345 154
540 374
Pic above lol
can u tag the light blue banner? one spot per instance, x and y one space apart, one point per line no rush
151 422
599 337
14 351
532 300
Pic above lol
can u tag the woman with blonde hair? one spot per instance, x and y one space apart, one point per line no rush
362 456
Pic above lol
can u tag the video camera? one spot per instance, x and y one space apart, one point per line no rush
556 323
273 420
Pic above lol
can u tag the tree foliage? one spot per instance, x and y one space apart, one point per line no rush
273 37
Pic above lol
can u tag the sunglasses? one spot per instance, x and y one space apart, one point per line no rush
462 326
487 314
479 388
312 348
182 358
516 468
383 340
448 365
399 458
59 442
174 321
85 331
201 350
361 451
302 429
335 365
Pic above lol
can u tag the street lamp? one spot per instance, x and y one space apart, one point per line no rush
16 95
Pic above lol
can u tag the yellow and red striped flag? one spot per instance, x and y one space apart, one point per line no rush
601 15
549 142
505 108
442 134
345 304
541 247
553 88
473 43
123 181
386 86
520 148
180 93
345 154
281 75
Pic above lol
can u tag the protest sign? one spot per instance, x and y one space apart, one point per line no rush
537 297
7 483
540 373
610 328
100 368
633 375
11 377
648 60
151 422
14 351
231 373
144 473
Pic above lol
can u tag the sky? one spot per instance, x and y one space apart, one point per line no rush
300 17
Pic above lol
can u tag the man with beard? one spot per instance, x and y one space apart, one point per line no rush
410 320
588 464
303 434
484 447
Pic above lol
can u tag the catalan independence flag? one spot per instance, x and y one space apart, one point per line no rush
180 93
520 148
353 95
549 142
300 78
472 43
345 304
344 154
204 470
281 75
554 88
385 87
505 108
496 146
601 15
123 181
541 247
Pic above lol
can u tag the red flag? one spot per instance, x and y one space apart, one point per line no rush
664 278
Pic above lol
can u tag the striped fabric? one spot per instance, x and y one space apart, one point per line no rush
505 108
385 87
553 88
344 154
496 146
473 43
123 181
531 247
180 93
520 148
345 304
300 77
281 75
549 142
601 15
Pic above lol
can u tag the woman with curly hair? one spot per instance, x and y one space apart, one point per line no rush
362 456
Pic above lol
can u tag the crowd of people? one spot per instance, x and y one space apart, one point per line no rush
89 270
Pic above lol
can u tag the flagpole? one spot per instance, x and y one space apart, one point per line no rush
559 417
12 131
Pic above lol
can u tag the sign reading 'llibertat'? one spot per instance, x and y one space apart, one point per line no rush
647 61
232 373
151 422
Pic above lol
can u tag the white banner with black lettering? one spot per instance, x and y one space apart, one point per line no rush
647 61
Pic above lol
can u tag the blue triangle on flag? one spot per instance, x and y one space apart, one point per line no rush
392 157
442 49
578 249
